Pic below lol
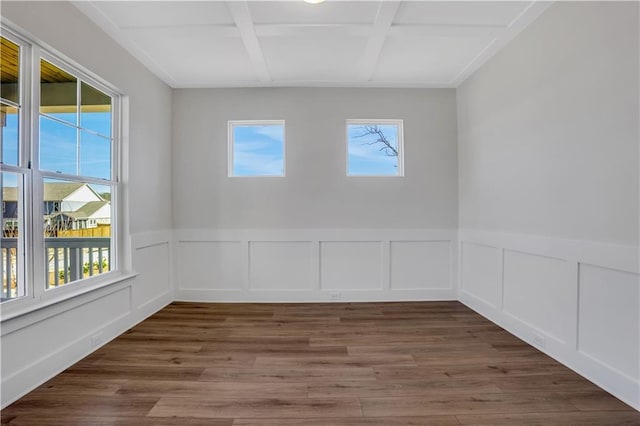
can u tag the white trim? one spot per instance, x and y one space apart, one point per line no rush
231 124
21 169
502 38
616 258
622 257
109 27
292 296
315 234
399 123
71 291
239 10
384 19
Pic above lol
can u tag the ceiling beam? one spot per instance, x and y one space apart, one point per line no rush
96 14
242 17
445 30
381 26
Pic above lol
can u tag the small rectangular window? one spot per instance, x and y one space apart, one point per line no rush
256 148
374 148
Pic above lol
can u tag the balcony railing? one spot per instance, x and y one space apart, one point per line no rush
67 260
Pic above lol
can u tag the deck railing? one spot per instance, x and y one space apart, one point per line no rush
67 260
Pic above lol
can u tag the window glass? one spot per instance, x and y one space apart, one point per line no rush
58 93
374 148
9 70
95 155
9 134
257 148
12 246
95 112
77 230
59 147
67 146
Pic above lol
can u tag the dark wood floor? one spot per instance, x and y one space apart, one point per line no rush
389 364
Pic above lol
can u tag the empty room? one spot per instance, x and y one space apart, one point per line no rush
320 213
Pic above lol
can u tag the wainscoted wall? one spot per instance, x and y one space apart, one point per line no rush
316 265
41 344
578 301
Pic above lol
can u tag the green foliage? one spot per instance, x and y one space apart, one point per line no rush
96 265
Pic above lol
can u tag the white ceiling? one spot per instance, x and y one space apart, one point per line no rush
292 43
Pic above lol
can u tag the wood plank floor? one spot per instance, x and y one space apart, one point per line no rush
389 364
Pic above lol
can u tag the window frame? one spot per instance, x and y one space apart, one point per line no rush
231 124
377 121
24 251
36 293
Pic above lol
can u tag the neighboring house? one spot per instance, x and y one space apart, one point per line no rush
9 208
90 215
66 206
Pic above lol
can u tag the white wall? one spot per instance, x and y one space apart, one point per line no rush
548 129
41 344
299 237
316 193
548 160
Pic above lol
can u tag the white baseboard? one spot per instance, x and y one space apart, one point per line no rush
230 296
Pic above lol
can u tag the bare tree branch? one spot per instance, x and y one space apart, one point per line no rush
374 130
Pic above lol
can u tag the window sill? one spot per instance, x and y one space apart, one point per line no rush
71 297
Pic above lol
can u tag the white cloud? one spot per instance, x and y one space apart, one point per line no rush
247 163
274 132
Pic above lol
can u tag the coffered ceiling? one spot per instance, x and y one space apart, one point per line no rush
292 43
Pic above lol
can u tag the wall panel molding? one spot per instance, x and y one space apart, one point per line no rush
105 313
307 265
577 301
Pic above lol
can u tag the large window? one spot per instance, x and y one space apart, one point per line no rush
256 148
374 148
59 173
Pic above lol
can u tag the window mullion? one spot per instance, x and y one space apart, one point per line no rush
36 247
25 152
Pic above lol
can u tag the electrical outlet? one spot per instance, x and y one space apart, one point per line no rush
539 339
336 296
96 340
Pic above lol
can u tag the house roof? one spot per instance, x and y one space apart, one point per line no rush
53 191
58 191
10 193
87 210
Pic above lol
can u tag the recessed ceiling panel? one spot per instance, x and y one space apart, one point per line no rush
281 43
427 59
459 12
302 58
136 14
195 55
299 12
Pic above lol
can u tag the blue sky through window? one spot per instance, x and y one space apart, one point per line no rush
366 156
60 146
10 140
258 150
